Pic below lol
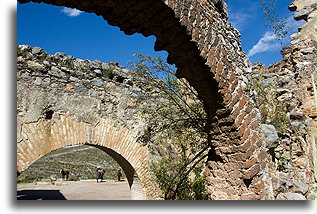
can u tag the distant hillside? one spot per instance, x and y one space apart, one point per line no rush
81 160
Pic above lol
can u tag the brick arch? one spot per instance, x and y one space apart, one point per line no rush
45 136
206 51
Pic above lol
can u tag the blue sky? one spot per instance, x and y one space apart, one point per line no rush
82 35
87 36
257 39
8 96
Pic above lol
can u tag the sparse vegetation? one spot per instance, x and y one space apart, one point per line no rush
81 161
175 133
272 109
277 24
108 73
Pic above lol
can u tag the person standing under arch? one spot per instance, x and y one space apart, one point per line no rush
65 174
99 172
119 174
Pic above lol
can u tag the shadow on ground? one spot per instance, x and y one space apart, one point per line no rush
40 195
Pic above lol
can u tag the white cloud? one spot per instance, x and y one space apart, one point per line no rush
267 43
239 20
293 25
71 12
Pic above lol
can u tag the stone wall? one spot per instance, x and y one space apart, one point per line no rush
64 101
292 82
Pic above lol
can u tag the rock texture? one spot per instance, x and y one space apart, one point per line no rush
206 51
293 82
65 101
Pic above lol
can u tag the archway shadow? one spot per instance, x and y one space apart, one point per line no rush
40 195
125 165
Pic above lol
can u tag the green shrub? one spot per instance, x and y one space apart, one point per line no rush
108 73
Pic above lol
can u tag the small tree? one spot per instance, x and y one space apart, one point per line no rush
175 133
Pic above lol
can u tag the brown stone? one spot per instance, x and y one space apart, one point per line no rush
238 157
224 87
236 96
242 129
227 96
262 156
259 186
243 147
248 163
248 174
254 125
261 196
70 87
263 164
249 108
245 135
242 102
233 87
225 149
235 174
211 57
250 151
235 113
250 117
232 166
219 71
255 137
218 53
249 196
240 118
214 67
259 142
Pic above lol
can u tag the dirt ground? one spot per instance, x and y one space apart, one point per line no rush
75 190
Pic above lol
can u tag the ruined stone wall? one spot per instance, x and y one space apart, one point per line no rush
206 51
292 85
64 101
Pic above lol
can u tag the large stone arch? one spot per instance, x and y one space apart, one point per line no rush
206 51
45 136
60 107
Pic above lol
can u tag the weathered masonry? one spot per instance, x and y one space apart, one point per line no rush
65 101
206 51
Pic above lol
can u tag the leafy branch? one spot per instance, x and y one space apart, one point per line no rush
175 133
278 25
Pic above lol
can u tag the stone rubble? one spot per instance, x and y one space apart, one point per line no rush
293 81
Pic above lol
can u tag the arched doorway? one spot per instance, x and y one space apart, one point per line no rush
82 161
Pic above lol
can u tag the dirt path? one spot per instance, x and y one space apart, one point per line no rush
75 190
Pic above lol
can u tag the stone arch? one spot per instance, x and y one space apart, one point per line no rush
206 51
43 137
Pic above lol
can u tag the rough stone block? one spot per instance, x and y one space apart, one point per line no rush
219 76
249 163
236 96
243 147
240 118
290 196
250 173
259 186
254 125
249 196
